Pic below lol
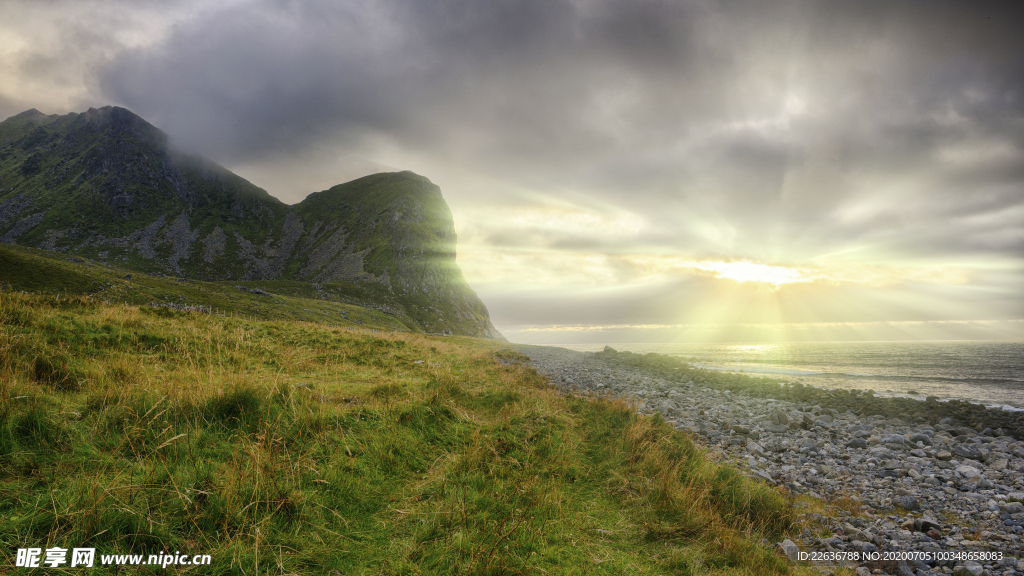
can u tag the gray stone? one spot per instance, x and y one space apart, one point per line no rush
998 464
924 524
779 417
1012 508
907 502
974 568
923 438
903 569
967 451
855 533
979 482
791 551
967 471
857 443
894 439
864 547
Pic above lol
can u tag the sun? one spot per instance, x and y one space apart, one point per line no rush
744 271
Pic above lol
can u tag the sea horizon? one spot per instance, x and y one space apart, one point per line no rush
990 372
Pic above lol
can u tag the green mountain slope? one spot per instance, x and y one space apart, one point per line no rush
331 304
107 186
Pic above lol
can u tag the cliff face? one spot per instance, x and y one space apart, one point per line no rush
105 184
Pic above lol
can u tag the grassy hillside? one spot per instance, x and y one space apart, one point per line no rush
105 185
282 447
332 303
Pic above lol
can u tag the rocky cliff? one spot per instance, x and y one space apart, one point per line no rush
105 184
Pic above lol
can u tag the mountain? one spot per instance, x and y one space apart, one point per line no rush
107 185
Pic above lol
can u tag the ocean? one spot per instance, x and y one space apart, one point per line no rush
988 372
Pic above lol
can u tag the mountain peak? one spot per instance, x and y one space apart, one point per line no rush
28 114
105 185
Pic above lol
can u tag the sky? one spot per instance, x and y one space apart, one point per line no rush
618 170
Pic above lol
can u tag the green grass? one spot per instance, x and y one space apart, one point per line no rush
281 447
336 304
366 305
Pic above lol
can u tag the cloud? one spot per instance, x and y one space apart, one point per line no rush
52 50
782 134
719 108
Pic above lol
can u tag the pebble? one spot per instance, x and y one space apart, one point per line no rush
933 485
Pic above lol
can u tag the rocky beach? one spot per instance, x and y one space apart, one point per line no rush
921 487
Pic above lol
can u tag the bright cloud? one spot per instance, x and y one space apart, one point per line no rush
571 269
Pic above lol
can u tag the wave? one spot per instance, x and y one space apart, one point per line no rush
1004 407
787 371
958 379
859 375
856 375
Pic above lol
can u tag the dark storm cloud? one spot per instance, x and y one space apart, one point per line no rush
51 50
799 123
524 73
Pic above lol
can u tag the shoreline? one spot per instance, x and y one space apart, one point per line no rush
987 372
878 393
956 468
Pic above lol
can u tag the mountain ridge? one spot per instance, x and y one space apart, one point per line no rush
107 185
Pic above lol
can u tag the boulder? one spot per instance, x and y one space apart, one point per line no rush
997 463
967 471
903 569
1012 508
790 551
907 502
855 533
974 568
921 525
979 482
864 547
967 451
755 449
922 438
